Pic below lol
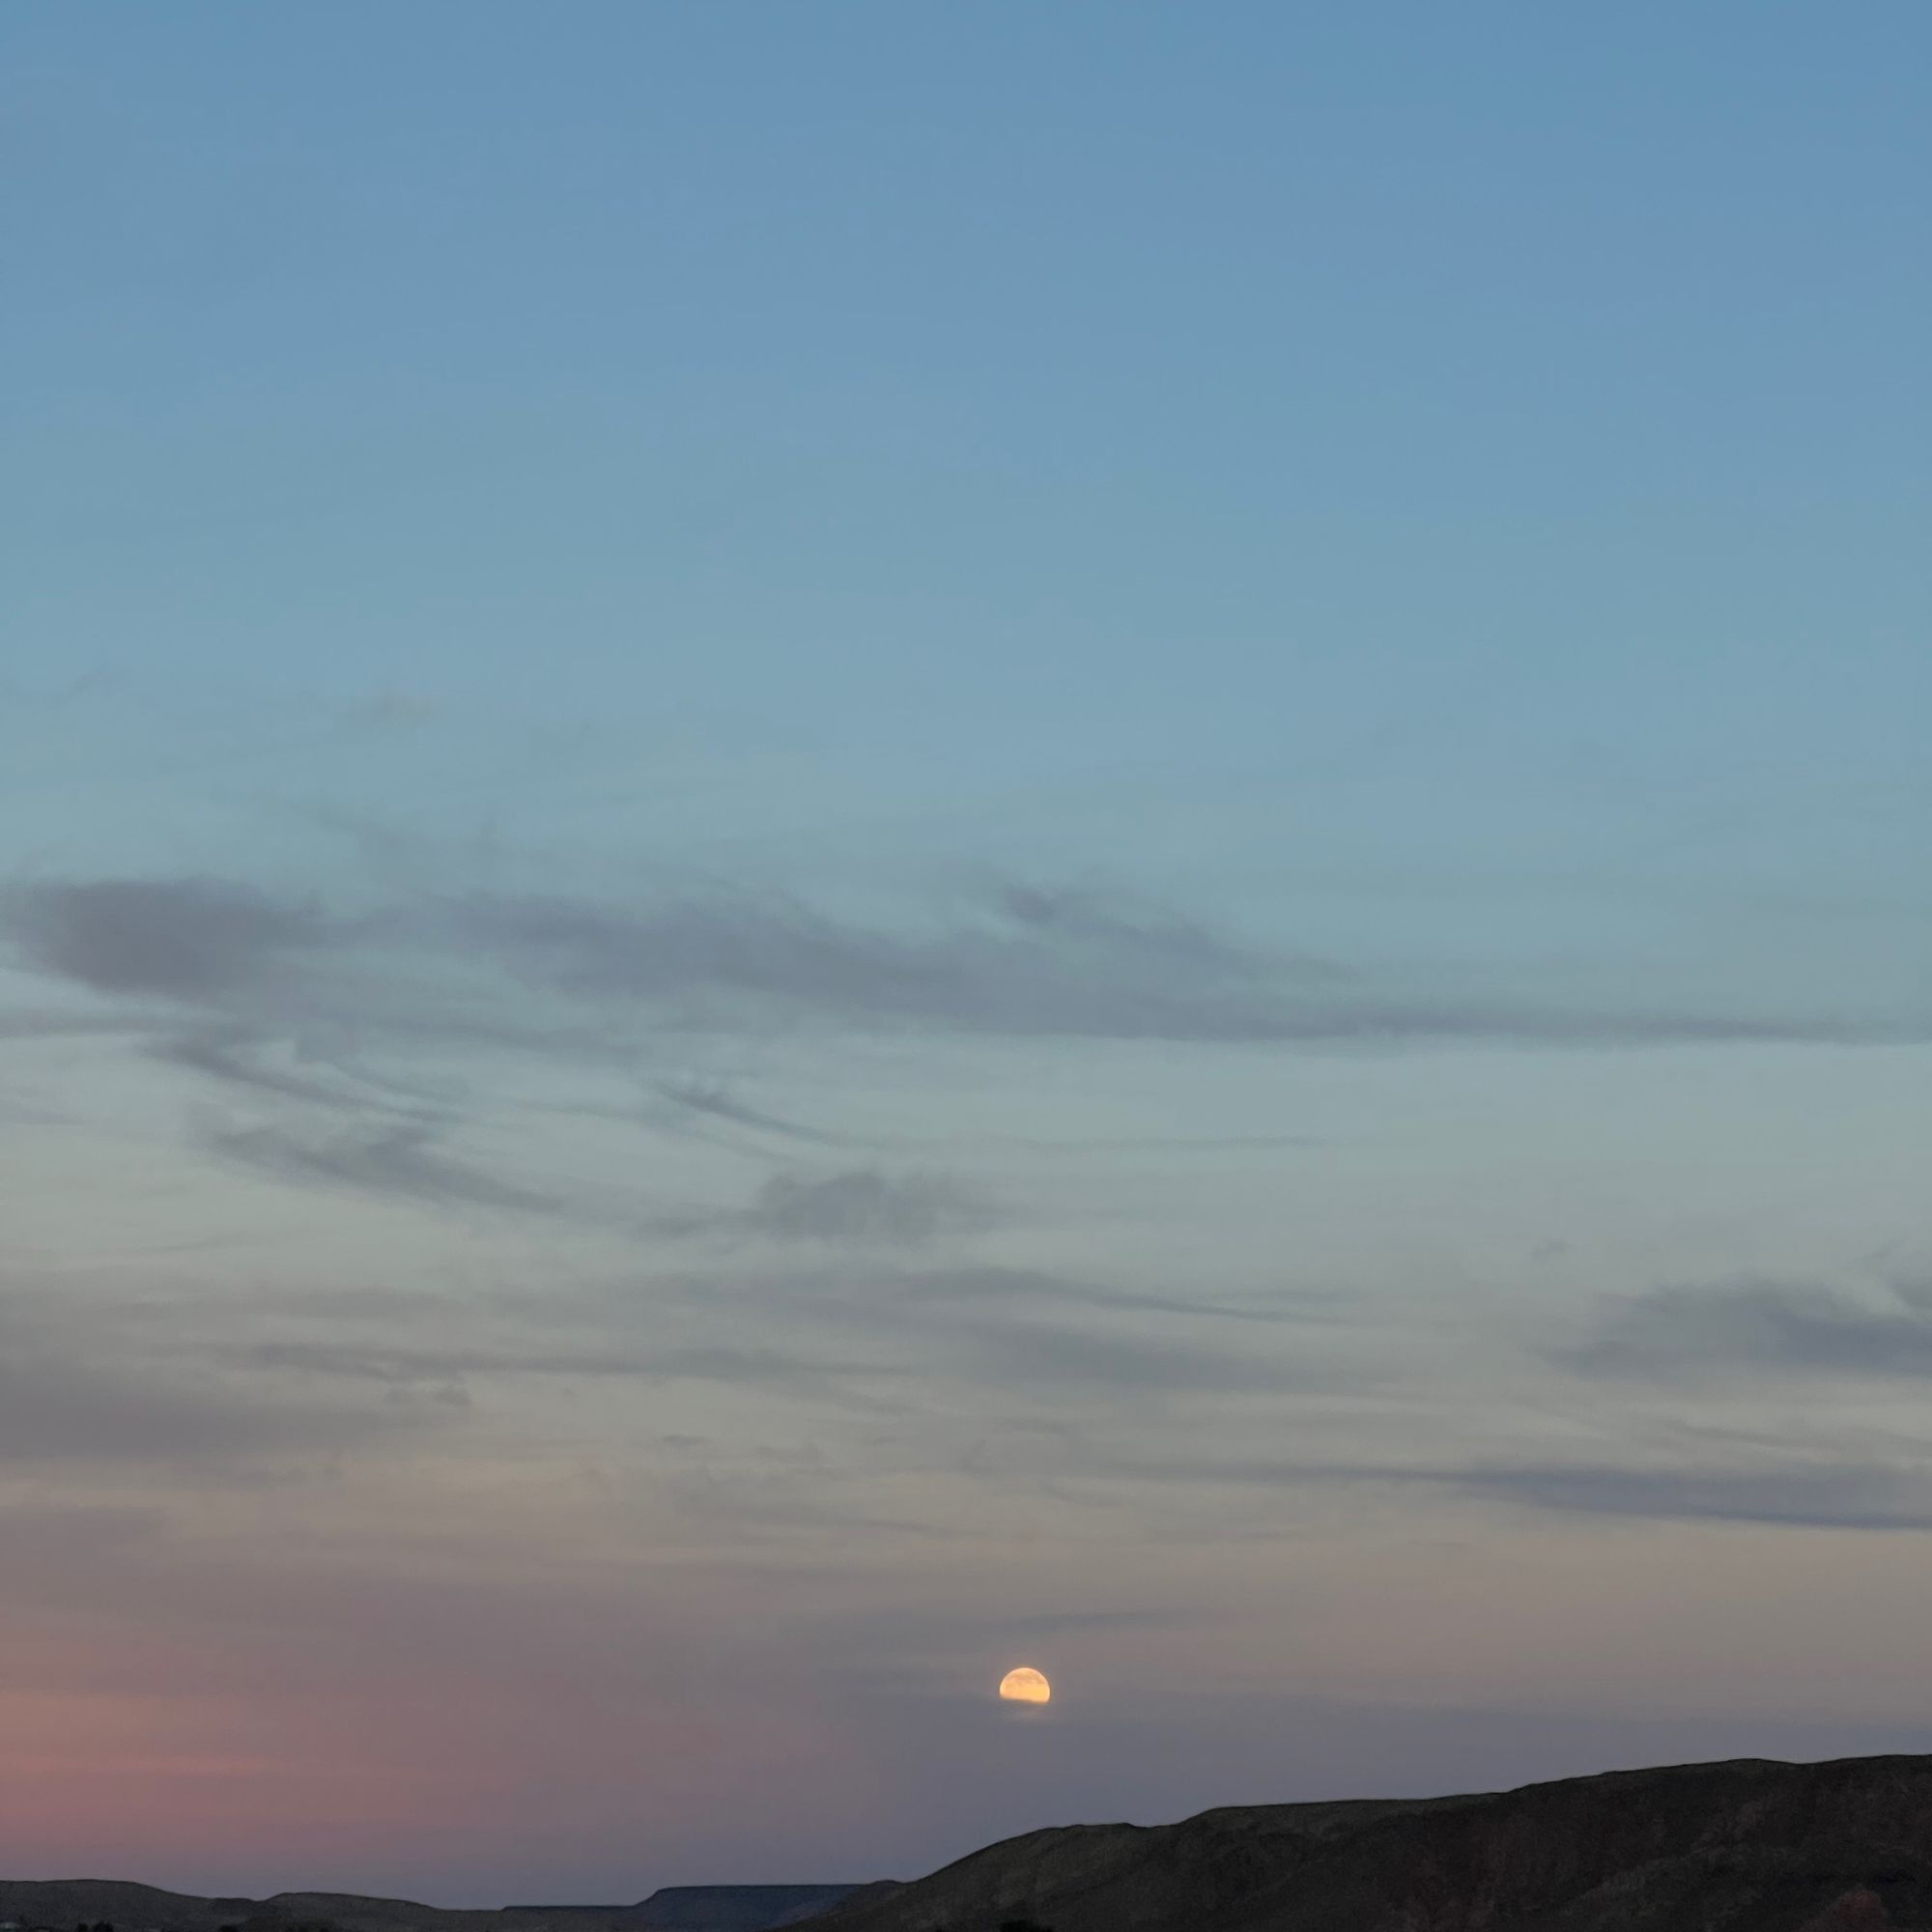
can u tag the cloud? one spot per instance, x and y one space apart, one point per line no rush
400 1366
927 1627
1027 963
940 1344
67 1398
183 939
54 1410
1796 1328
28 1023
1016 969
1031 1287
864 1208
1035 1356
399 1160
856 1209
444 1371
1019 962
1850 1494
233 1056
714 1102
1032 1336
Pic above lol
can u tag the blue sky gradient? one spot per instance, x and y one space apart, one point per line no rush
847 843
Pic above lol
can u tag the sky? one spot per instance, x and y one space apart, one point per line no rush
850 842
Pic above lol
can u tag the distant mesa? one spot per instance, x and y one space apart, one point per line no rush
1750 1846
64 1904
701 1908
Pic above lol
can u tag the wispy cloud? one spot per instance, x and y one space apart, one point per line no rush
1036 1289
1032 1339
1792 1327
861 1208
69 1398
397 1159
445 1370
185 939
55 1409
711 1101
1019 962
236 1057
1026 965
1822 1494
1848 1495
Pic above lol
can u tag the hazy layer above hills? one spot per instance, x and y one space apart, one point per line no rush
1743 1847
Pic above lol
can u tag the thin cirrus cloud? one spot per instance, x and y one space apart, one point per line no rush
1840 1493
183 939
866 1206
445 1371
57 1409
232 1056
859 1209
710 1102
865 1340
1737 1327
1032 1286
254 992
400 1160
1025 964
1032 964
1840 1496
66 1401
1032 1336
401 1366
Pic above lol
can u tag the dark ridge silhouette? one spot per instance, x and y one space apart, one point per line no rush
1750 1846
697 1908
55 1905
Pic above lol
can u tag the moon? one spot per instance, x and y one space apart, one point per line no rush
1025 1686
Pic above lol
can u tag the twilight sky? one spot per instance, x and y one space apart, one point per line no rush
845 843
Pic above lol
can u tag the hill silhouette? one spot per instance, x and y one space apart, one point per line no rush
1748 1846
60 1904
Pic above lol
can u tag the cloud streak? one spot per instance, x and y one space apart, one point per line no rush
860 1208
1019 963
184 939
1791 1329
1846 1495
398 1160
67 1400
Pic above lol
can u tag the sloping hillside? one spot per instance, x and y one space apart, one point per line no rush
64 1903
131 1908
730 1908
1742 1847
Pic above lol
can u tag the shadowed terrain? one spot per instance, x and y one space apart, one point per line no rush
62 1904
1749 1846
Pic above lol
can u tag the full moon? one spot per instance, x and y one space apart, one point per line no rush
1025 1686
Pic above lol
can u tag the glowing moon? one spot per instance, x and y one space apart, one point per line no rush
1025 1686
